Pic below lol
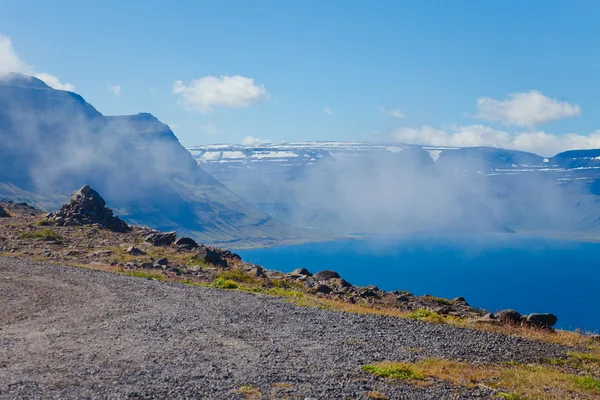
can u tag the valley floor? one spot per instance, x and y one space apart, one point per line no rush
77 333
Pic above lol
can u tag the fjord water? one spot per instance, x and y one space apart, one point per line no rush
529 274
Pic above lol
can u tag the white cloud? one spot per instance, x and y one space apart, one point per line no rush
226 91
525 109
115 89
210 129
542 143
10 62
54 82
327 111
249 140
397 113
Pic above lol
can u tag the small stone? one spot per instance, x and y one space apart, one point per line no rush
162 261
3 213
195 268
402 299
147 265
134 251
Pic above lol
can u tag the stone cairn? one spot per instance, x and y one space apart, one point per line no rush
87 207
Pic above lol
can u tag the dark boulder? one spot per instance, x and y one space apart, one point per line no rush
3 213
510 317
323 289
542 320
161 239
162 261
326 275
212 256
186 243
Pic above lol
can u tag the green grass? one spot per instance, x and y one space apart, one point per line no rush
439 300
144 274
393 370
221 283
239 276
426 315
46 234
588 383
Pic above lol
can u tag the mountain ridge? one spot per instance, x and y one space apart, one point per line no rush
54 141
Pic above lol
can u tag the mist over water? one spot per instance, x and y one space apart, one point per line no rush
492 271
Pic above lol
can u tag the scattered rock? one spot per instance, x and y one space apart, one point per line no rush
460 301
195 268
542 320
161 239
256 270
134 251
3 213
211 255
103 253
511 317
402 299
87 207
323 289
326 275
147 265
186 243
162 261
300 272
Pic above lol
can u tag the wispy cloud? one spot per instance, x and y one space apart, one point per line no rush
327 111
10 62
397 113
226 91
525 109
115 89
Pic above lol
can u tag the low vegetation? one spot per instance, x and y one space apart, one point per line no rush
46 234
509 380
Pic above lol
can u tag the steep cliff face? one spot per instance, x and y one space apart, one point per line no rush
54 142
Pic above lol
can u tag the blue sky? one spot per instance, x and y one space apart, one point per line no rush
329 70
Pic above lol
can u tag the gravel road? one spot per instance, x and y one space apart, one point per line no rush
76 333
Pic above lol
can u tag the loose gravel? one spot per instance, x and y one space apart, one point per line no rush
75 333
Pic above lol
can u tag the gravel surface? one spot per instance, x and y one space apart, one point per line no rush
75 333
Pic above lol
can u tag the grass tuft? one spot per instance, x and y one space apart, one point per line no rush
46 234
221 283
394 370
513 381
426 315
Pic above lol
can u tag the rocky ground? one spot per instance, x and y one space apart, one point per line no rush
77 333
94 332
86 233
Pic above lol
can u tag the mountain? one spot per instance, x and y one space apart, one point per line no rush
54 141
380 187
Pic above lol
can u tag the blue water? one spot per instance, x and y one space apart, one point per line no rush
494 272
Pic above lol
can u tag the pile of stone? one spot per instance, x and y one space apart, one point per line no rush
87 207
3 213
